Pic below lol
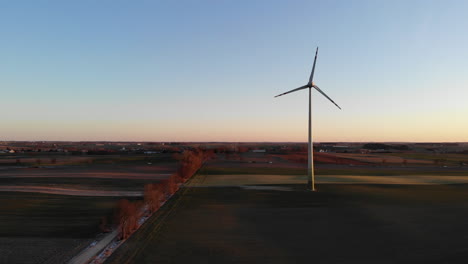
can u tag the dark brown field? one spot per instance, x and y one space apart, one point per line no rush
338 224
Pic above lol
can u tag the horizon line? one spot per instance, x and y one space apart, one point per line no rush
288 142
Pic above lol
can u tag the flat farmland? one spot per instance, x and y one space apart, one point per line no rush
102 174
410 158
236 211
242 208
285 167
379 158
50 212
337 224
92 177
57 224
31 160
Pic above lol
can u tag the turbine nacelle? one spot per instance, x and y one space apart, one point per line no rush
311 84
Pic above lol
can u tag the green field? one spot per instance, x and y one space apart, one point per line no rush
449 158
337 224
391 171
338 170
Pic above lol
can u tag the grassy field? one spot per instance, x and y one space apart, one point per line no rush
411 158
215 219
337 170
390 171
338 224
450 159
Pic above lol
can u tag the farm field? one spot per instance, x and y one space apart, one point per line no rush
109 173
242 212
38 227
240 207
410 157
340 223
50 212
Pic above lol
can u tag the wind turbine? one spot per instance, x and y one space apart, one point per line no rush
310 85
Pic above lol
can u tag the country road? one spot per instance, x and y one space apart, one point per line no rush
90 252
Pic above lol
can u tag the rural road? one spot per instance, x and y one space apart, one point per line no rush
90 252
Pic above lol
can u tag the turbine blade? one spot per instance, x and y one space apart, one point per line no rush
313 67
297 89
320 91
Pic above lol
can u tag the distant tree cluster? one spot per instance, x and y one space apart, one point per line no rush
400 147
375 146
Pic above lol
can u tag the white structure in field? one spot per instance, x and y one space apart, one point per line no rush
310 85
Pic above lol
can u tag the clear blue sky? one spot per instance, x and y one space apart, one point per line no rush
208 70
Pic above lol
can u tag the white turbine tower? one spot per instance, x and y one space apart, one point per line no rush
310 85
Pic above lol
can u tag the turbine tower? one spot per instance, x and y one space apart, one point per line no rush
310 85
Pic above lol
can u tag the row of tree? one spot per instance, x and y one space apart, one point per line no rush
127 212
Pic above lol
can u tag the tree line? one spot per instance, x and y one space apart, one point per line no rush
127 213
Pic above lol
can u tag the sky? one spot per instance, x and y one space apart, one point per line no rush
208 70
